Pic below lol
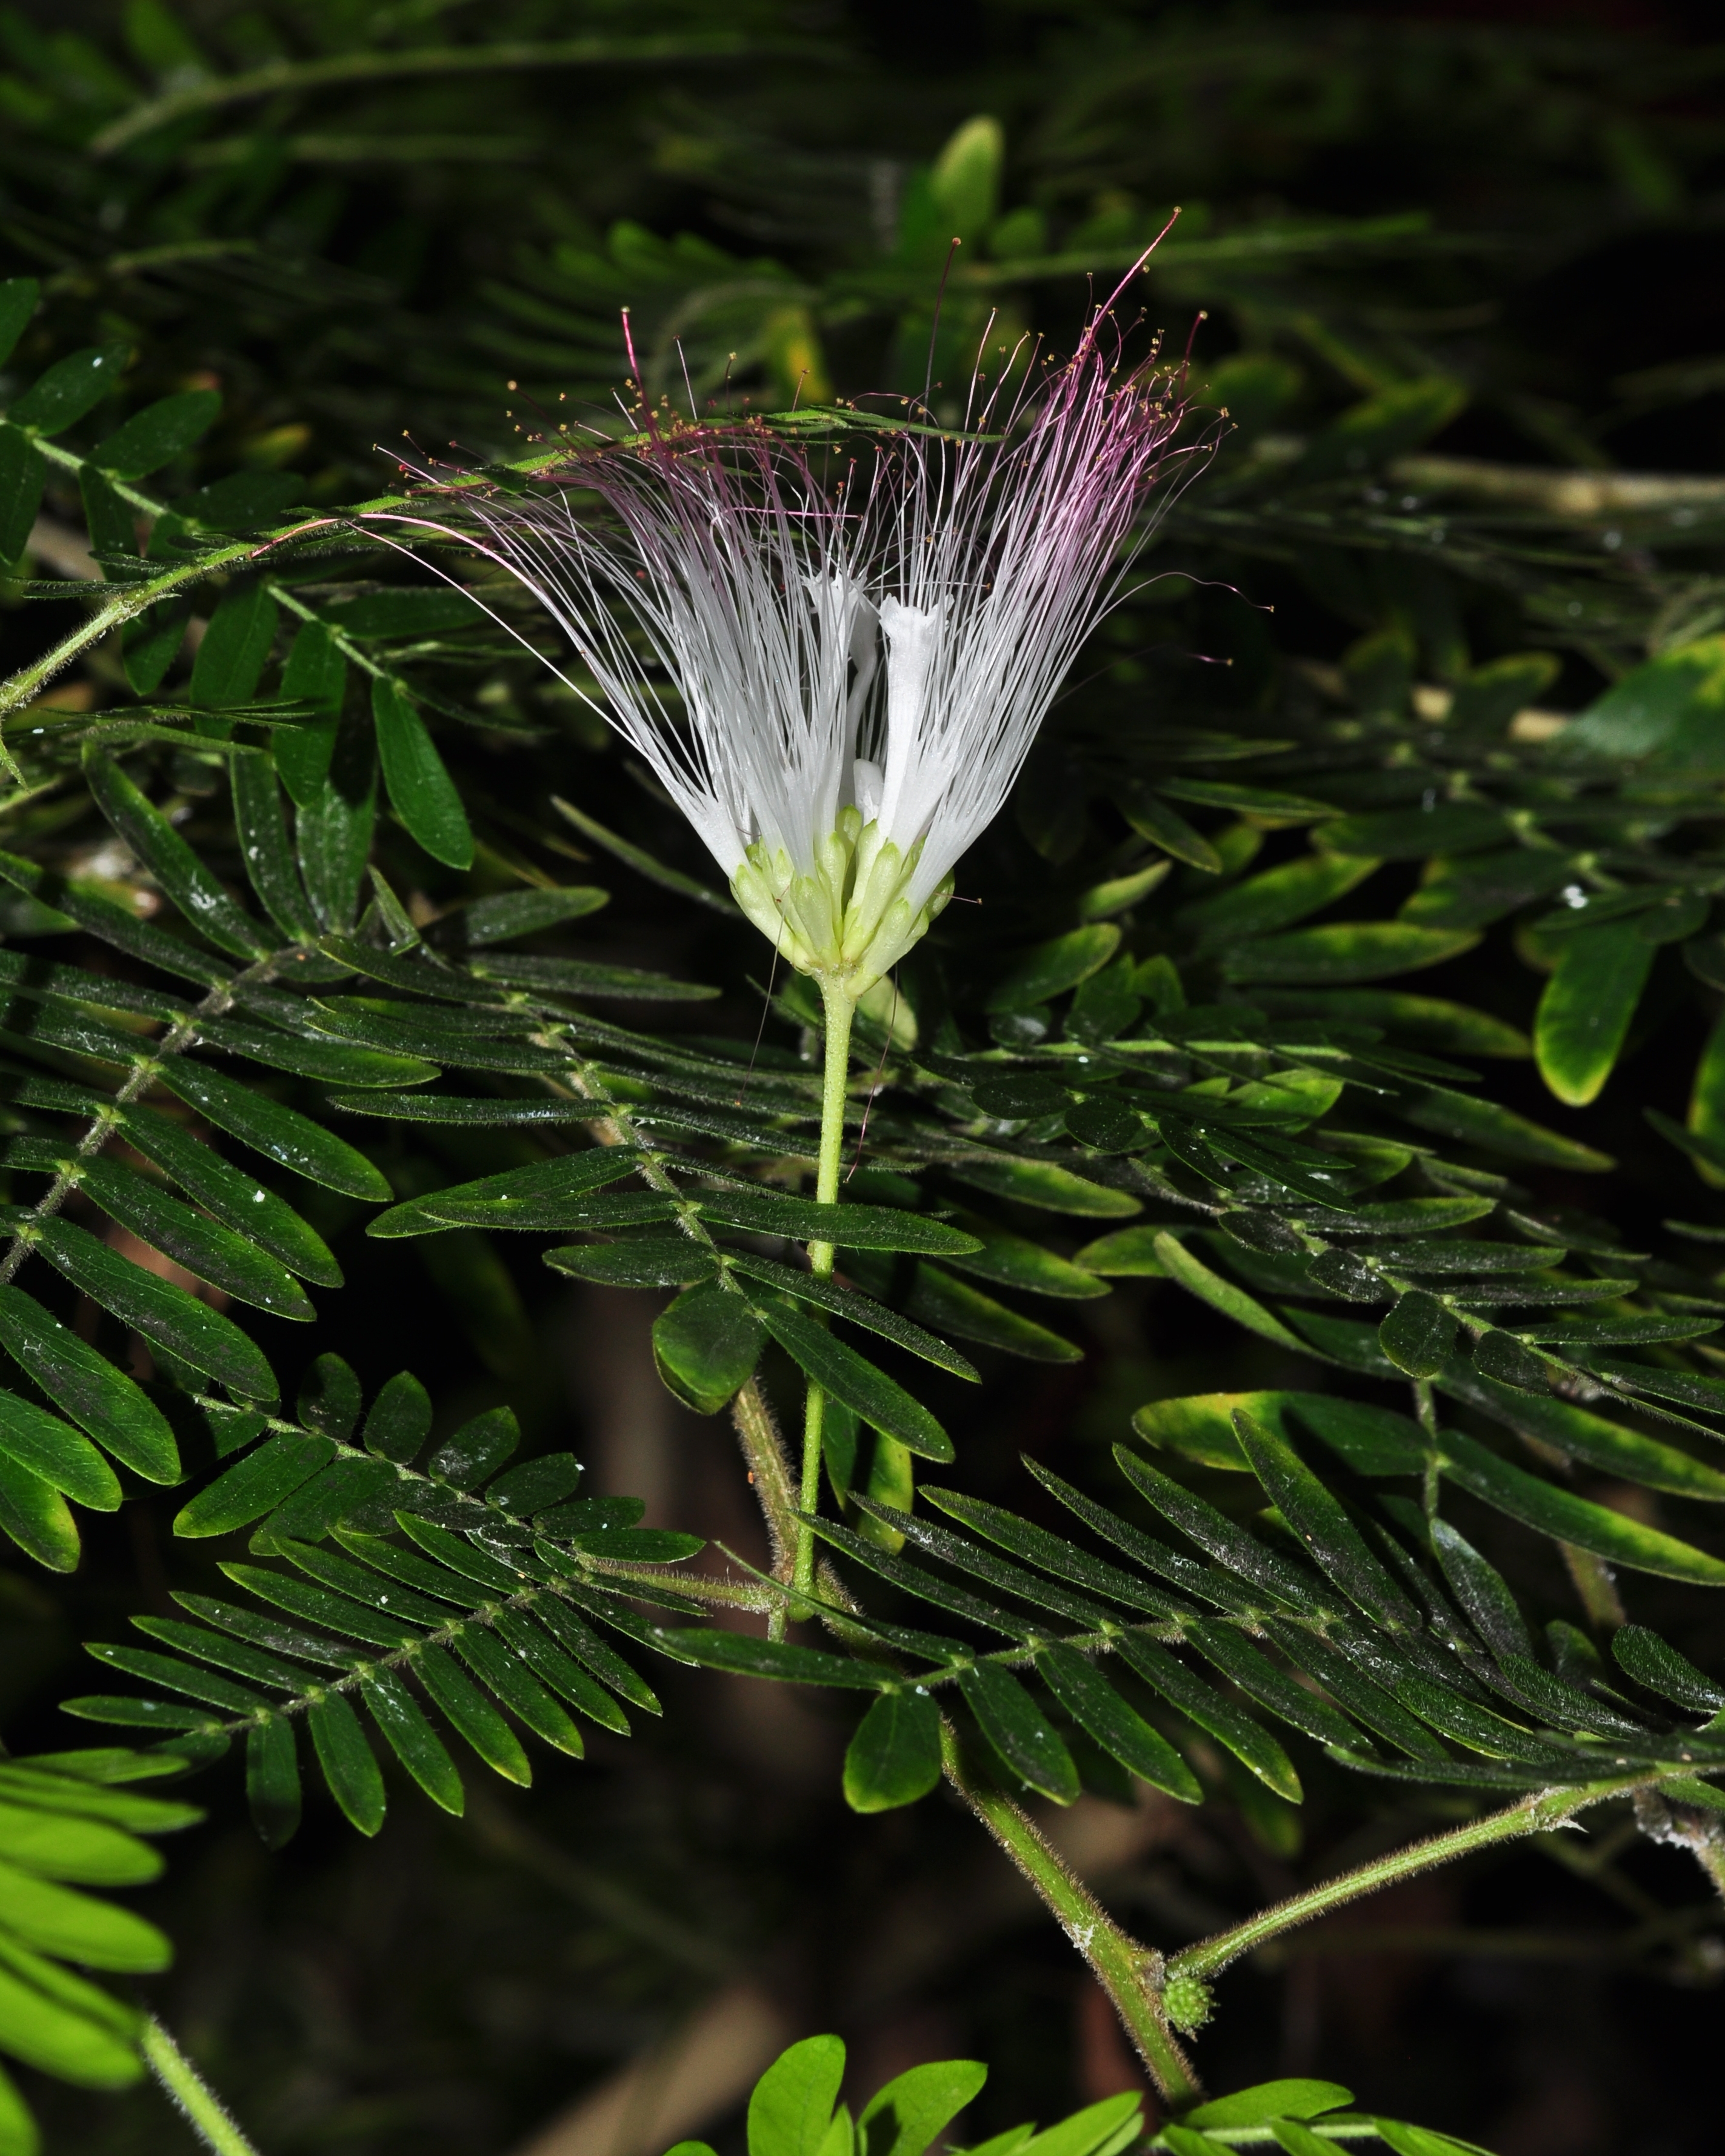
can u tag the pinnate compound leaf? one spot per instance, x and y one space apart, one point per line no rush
894 1756
850 1378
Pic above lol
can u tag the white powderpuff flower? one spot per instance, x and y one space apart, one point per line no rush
858 656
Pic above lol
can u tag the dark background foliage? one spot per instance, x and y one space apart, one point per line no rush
348 261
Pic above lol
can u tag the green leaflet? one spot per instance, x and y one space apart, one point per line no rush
412 1739
1499 1130
1015 1261
421 791
564 1180
1584 1436
506 915
860 1309
640 1261
37 1517
315 674
272 1780
850 1227
62 1457
87 1387
1417 1334
1042 1184
1584 1014
255 1485
234 652
1372 1441
746 1656
955 1306
200 898
1568 1518
705 1345
792 2105
1322 1524
160 432
239 1201
23 470
1278 898
1085 1694
894 1756
1416 835
850 1378
275 1129
1347 950
68 389
1251 1744
1178 1263
64 2027
60 1920
178 1322
1049 969
1284 2099
214 1254
1151 819
352 1773
1019 1731
1651 1661
472 1715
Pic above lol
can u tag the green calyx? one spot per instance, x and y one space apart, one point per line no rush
850 920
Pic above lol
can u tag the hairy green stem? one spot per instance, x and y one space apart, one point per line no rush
1126 1970
1534 1815
190 2094
839 1012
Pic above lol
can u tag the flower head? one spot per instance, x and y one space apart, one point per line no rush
861 655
